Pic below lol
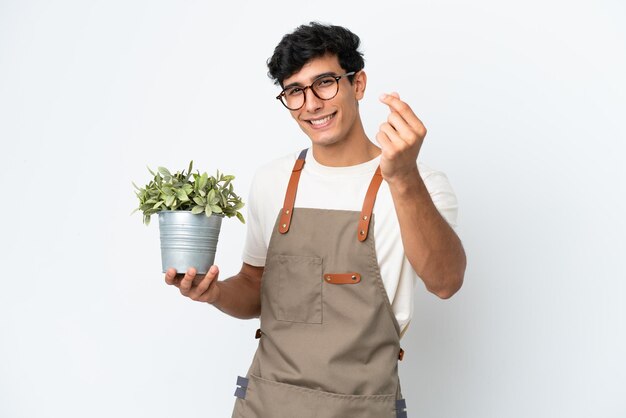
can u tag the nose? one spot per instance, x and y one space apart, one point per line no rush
312 103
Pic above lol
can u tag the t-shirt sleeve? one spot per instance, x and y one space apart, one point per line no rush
443 196
255 248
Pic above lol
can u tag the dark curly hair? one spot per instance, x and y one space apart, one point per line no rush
311 41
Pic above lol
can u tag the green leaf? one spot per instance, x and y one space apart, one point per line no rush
203 180
211 196
215 209
165 173
207 211
189 170
240 217
202 193
157 205
151 172
197 209
181 195
196 182
169 200
200 201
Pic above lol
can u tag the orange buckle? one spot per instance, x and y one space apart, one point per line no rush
401 355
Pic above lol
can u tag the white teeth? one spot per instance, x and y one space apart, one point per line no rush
322 121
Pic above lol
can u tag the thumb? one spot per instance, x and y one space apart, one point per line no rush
386 99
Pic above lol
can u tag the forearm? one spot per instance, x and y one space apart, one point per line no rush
239 296
431 245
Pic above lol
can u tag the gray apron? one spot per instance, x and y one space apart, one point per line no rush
329 342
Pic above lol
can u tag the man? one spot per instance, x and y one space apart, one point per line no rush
333 251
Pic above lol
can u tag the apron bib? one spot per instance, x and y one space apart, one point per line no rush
329 342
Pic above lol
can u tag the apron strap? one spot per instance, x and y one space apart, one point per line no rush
290 197
292 188
368 206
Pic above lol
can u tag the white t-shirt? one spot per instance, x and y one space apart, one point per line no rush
344 188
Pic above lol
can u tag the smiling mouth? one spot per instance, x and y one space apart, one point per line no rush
322 121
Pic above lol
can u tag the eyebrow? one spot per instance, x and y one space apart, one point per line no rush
296 84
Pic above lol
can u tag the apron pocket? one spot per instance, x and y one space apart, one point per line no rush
267 398
299 289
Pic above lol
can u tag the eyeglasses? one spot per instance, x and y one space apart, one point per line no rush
325 88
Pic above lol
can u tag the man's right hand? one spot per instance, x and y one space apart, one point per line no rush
198 287
238 296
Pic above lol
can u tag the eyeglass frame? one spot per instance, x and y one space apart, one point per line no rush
310 87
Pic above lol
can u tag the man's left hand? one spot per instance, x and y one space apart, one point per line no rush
400 138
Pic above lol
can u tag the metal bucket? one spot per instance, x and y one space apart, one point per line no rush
188 240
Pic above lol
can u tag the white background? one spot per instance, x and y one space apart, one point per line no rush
524 103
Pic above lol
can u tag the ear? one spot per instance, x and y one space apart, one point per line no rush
359 83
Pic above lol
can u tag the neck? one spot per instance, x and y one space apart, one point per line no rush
355 148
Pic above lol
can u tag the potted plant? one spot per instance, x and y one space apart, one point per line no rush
191 207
